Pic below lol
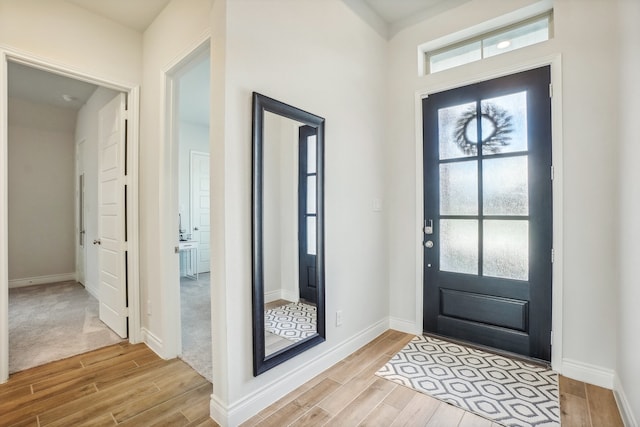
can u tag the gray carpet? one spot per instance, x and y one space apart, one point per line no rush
53 322
195 309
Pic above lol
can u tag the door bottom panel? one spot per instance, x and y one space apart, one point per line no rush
487 309
491 336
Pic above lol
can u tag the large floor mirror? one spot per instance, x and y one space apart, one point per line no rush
288 232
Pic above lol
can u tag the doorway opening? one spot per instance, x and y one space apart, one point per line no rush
488 213
190 83
70 267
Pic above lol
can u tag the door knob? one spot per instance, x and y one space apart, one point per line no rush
428 244
97 242
195 228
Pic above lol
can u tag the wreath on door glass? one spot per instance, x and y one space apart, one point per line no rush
498 119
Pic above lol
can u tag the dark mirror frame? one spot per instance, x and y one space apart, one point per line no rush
261 103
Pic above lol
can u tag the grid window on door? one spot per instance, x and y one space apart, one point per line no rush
484 191
310 214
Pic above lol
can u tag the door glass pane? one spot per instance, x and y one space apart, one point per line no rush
311 154
311 235
459 245
452 128
311 194
459 188
507 116
505 186
506 249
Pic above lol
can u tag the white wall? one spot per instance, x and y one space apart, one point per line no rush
87 130
192 137
628 371
41 191
173 34
320 57
280 208
69 35
584 35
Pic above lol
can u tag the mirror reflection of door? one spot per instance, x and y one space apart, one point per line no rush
307 213
289 232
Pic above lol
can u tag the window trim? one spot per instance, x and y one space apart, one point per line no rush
482 30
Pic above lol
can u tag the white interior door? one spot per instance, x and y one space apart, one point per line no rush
200 225
112 217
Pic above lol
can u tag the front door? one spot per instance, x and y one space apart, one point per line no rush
307 213
488 213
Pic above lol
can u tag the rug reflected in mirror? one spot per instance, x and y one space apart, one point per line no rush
294 322
52 322
506 391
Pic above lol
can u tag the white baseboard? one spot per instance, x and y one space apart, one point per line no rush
405 326
623 404
93 290
219 412
280 294
243 409
272 296
153 342
41 280
290 295
588 373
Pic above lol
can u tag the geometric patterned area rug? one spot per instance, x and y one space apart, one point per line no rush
506 391
295 321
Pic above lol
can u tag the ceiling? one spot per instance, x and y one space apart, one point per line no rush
42 87
388 17
135 14
385 16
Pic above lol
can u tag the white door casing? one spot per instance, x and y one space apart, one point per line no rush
133 95
111 214
200 210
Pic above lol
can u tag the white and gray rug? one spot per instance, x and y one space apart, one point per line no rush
295 321
507 391
195 310
53 322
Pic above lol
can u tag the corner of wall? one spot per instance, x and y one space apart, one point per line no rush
623 403
153 342
251 404
405 326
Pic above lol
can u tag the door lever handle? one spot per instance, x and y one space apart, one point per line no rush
97 242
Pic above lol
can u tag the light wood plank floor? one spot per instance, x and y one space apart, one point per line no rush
349 394
129 385
122 384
